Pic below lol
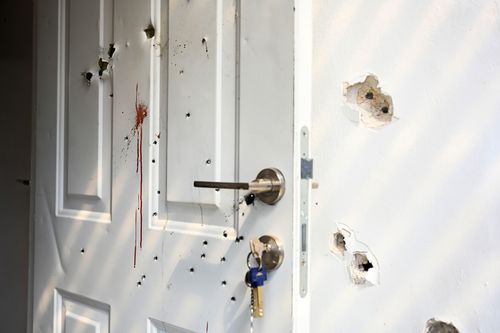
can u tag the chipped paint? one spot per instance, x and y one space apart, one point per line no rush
374 108
359 261
437 326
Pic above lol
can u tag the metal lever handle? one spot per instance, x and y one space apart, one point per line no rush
269 185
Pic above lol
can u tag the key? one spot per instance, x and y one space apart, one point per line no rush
255 279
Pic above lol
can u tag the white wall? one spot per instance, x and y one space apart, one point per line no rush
15 136
423 193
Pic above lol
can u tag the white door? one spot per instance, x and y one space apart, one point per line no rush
135 101
419 196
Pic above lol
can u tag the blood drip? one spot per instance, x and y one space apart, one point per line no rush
141 112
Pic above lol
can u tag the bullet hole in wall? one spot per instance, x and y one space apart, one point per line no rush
358 260
437 326
371 107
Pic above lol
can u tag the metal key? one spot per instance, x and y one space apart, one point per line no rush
255 279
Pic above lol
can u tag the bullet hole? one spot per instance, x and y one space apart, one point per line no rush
111 50
233 299
155 214
242 213
153 161
191 269
181 72
188 115
155 142
359 261
223 259
111 95
150 31
203 256
143 277
158 192
103 66
82 251
139 283
224 234
205 243
224 283
204 42
241 238
437 326
359 267
208 162
126 138
368 103
155 258
87 76
339 242
237 240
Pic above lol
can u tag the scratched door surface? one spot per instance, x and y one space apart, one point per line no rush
135 101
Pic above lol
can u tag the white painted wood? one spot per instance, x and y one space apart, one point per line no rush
237 84
422 193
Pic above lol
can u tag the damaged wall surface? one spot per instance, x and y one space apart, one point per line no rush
422 192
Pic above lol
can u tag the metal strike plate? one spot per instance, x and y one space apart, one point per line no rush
273 254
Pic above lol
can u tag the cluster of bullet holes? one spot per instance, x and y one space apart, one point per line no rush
437 326
103 66
360 263
370 106
141 281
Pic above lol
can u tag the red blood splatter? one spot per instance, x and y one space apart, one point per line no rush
141 112
135 239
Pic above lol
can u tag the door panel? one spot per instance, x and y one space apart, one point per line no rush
205 93
84 111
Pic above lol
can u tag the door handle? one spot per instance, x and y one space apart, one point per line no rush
268 186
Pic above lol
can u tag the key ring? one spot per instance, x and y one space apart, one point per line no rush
257 259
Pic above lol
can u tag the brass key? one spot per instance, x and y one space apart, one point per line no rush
255 279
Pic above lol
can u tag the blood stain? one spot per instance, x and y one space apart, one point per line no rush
141 112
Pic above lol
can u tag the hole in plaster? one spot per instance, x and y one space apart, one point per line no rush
233 299
372 108
203 256
153 161
339 242
222 259
358 260
224 234
224 283
139 283
205 242
188 114
82 251
191 269
437 326
155 142
158 192
143 277
150 31
155 258
208 162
